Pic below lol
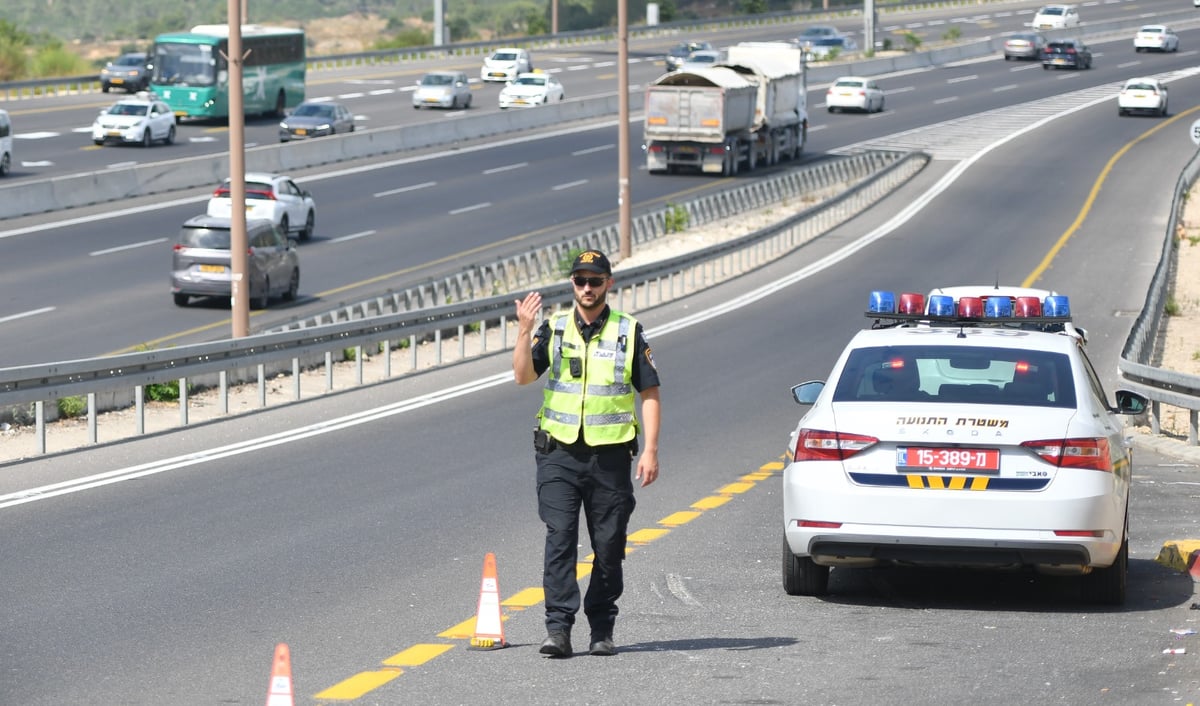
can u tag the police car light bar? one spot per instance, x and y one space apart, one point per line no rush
943 308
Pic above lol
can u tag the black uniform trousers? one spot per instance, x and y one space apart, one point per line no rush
598 480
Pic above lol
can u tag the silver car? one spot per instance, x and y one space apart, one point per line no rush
442 89
201 264
315 119
129 71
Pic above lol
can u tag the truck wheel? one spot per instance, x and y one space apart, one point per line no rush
751 157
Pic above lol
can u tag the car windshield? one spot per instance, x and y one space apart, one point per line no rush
702 59
531 81
849 84
437 80
1152 30
128 109
314 110
207 238
819 32
1051 11
948 374
129 60
1140 86
504 56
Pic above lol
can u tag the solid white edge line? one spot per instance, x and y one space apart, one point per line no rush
22 497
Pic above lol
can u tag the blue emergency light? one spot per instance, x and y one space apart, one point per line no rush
942 305
882 303
1056 305
997 308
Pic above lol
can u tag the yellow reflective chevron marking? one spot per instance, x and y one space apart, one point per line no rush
947 482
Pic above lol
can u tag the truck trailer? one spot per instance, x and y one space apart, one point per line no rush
747 110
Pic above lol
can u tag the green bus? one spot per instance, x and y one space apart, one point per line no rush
190 72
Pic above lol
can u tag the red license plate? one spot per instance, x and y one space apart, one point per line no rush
921 458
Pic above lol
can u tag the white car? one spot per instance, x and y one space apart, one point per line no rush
142 120
1142 95
529 90
702 59
272 197
854 93
963 429
506 64
442 89
1156 38
1056 17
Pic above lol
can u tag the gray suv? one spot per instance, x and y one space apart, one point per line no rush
203 267
130 71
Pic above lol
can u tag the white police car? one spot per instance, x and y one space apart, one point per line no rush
973 432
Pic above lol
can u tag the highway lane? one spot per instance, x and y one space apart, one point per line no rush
418 216
54 133
356 545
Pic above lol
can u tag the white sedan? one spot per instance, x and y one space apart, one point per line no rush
1142 95
531 89
963 429
142 120
1056 17
854 93
272 197
1156 38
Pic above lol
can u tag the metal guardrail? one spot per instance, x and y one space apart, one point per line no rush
512 273
1160 385
90 83
122 379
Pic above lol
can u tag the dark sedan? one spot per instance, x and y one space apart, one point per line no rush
313 119
1066 53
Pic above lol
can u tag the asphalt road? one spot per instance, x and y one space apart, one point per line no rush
96 283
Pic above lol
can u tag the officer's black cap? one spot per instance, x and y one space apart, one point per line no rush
592 261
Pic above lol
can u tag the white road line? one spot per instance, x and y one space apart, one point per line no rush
43 163
1127 64
506 168
505 378
603 64
474 207
960 79
403 189
902 89
1009 87
120 165
26 314
130 246
381 91
344 96
589 150
44 135
352 236
568 185
951 99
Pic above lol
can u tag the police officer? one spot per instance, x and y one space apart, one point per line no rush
586 438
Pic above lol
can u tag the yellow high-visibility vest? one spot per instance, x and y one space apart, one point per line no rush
601 400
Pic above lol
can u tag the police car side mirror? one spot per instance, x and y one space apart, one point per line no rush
1130 402
807 392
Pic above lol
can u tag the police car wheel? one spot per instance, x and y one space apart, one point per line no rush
801 576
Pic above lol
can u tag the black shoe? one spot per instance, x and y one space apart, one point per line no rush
602 647
557 644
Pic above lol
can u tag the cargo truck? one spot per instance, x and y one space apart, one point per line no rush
749 109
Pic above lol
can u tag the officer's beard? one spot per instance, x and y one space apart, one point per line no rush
592 306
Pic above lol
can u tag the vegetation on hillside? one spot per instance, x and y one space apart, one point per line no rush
36 35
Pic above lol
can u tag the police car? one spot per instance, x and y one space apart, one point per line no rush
531 89
965 428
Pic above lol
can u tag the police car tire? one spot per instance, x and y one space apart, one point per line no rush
1107 586
802 576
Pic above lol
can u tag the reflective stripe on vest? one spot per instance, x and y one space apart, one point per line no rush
604 397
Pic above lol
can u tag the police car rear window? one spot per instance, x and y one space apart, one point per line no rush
957 374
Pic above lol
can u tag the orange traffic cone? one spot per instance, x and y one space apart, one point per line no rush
280 692
1194 566
489 626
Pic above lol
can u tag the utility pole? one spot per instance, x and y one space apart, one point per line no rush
439 23
239 289
625 219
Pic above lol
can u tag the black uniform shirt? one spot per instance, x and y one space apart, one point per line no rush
645 375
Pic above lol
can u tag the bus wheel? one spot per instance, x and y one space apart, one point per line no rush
280 104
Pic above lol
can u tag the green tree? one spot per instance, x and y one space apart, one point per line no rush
752 7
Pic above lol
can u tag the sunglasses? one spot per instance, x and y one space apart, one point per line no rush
593 282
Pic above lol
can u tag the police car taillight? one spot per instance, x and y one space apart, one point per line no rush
1092 454
817 445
